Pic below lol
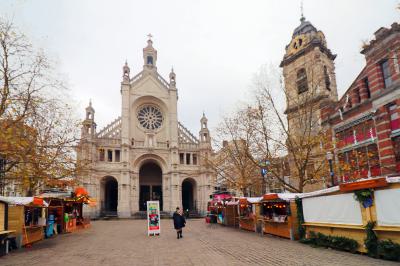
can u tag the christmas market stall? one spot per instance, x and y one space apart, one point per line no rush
66 210
27 218
248 210
231 213
73 210
359 216
56 216
278 215
4 232
216 206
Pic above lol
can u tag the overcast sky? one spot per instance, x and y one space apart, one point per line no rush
215 46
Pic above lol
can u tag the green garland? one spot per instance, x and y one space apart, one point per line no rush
334 242
389 250
300 218
371 242
363 195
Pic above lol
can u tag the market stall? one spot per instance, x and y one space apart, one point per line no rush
216 207
248 209
66 210
73 210
4 232
346 210
278 213
231 213
27 218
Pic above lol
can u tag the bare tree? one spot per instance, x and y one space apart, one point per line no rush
296 135
271 134
38 129
233 163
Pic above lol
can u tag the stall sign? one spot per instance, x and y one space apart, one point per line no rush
38 201
153 218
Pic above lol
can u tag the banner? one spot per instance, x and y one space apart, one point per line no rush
153 218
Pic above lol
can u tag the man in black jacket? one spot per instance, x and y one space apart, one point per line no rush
179 222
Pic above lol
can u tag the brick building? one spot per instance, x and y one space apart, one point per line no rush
365 122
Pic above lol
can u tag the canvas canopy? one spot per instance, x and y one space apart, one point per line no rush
24 201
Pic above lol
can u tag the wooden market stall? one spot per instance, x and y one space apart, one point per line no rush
231 213
66 209
73 208
27 218
248 213
278 214
337 212
4 232
216 207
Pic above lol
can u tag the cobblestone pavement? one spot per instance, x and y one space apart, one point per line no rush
124 242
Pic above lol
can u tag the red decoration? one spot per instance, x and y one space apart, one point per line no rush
270 196
371 183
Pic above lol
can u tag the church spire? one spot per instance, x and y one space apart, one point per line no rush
302 18
126 71
150 55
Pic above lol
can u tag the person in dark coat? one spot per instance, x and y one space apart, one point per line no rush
179 222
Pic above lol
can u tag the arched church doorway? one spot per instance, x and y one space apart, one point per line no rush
189 194
150 182
110 189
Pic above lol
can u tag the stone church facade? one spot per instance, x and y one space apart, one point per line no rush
146 153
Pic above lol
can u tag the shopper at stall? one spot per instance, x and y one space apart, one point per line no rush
179 222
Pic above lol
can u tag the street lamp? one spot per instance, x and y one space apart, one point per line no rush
329 157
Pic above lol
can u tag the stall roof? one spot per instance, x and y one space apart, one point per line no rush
57 195
20 200
254 199
289 196
391 179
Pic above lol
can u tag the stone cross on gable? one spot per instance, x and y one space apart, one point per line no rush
150 36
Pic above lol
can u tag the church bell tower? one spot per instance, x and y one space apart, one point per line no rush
308 71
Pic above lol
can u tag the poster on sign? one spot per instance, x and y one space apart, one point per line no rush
153 218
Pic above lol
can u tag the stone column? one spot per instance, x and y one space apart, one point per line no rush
135 188
93 188
124 210
175 193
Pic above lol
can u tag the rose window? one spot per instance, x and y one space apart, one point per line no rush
150 117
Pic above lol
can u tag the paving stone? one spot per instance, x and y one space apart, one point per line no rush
125 242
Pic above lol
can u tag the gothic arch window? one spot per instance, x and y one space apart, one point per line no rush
327 79
149 60
302 83
150 117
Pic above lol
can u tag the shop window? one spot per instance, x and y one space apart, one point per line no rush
387 79
373 160
358 163
394 117
187 158
276 211
195 159
101 155
302 83
117 155
181 158
366 86
109 155
327 79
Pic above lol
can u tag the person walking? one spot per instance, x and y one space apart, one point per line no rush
179 222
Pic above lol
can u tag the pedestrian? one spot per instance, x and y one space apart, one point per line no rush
179 222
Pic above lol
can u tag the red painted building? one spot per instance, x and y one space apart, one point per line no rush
365 122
